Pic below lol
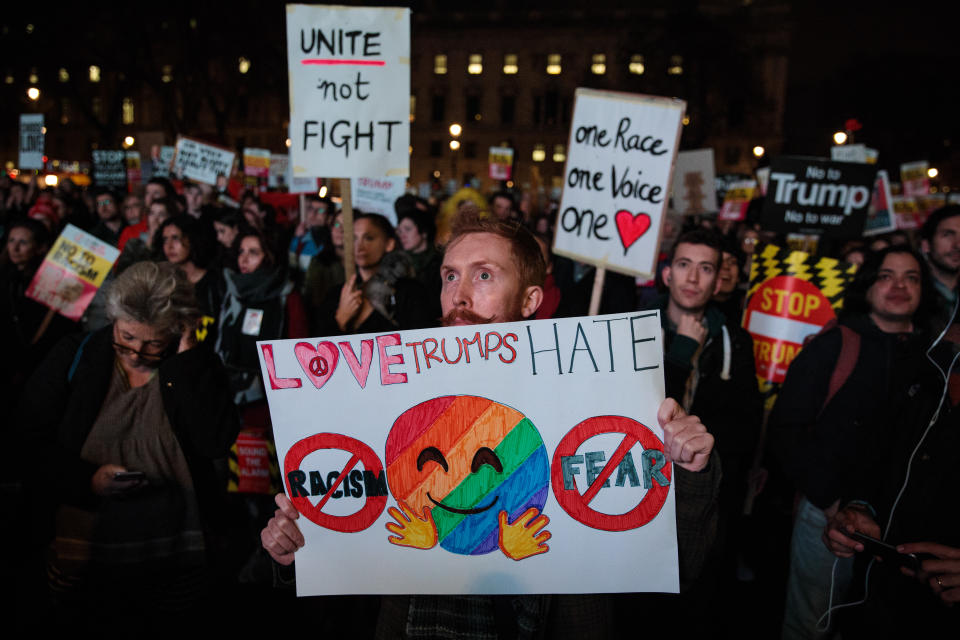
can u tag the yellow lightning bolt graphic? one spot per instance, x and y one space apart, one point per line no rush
765 263
831 278
797 265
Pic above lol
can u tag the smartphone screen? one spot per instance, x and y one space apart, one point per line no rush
129 475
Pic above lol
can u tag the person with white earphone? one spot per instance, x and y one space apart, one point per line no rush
834 398
905 496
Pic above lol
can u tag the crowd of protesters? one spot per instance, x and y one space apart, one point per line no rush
128 513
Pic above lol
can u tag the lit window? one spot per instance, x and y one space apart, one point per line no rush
127 111
475 67
413 108
510 66
167 74
636 65
33 76
686 120
96 105
63 75
243 65
8 79
440 64
553 64
559 153
94 73
539 153
599 66
676 66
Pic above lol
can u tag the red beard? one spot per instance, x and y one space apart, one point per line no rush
467 316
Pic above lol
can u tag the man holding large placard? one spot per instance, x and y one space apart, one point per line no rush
492 272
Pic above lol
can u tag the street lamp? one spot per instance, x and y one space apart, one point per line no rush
33 93
455 129
128 142
758 151
932 172
839 137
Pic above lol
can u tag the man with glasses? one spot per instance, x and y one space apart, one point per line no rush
133 209
110 222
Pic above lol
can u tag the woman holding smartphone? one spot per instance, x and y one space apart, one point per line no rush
130 420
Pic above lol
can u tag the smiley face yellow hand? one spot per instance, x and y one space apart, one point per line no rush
524 538
411 530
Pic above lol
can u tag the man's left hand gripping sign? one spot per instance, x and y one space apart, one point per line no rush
471 474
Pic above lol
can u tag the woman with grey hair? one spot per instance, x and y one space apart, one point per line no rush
131 419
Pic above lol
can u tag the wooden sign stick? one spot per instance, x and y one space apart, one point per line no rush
349 264
44 325
597 293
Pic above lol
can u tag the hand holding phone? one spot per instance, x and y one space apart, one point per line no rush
886 552
130 476
114 479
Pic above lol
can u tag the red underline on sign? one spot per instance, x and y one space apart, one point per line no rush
367 63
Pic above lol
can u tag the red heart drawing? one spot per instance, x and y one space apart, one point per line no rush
317 362
631 227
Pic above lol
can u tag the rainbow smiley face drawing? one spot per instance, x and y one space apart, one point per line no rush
471 474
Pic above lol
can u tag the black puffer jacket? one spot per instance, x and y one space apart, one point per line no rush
899 606
819 446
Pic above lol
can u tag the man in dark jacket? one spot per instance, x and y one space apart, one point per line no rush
110 222
913 469
708 362
940 243
493 272
819 433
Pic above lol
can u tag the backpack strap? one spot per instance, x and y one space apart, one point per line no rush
76 357
847 360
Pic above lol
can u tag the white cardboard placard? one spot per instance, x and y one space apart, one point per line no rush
196 160
617 179
377 195
31 141
405 416
693 183
349 90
